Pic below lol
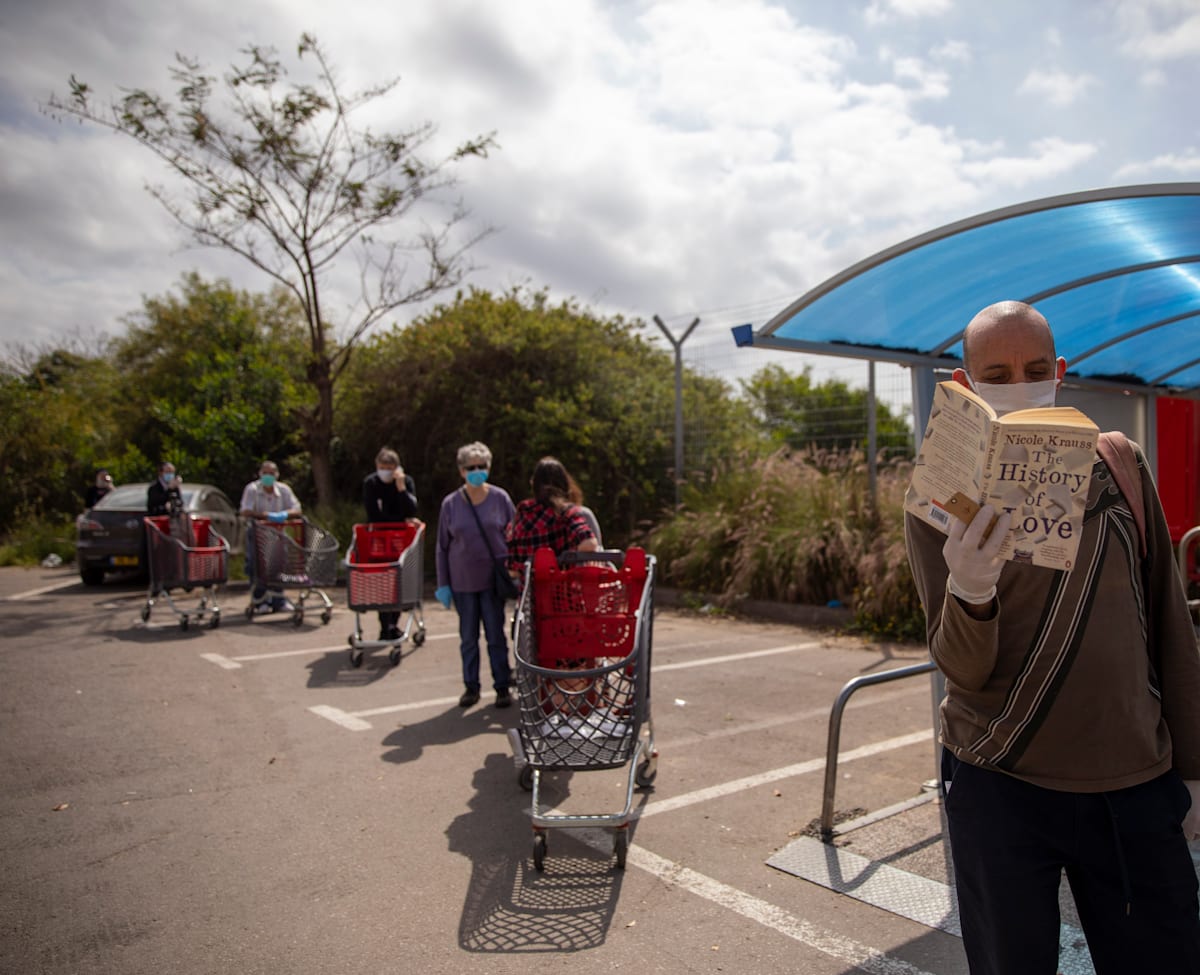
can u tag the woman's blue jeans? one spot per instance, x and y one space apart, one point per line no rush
487 608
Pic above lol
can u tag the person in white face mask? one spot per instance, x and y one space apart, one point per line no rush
1071 722
389 495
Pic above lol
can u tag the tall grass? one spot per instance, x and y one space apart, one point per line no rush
797 528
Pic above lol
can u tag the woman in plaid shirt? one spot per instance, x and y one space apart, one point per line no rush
552 517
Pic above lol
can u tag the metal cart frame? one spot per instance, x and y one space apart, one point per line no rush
384 567
295 554
185 552
583 649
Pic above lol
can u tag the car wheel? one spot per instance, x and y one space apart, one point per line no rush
91 576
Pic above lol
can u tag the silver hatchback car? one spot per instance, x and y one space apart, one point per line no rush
111 537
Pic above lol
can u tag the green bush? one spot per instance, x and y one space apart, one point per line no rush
33 539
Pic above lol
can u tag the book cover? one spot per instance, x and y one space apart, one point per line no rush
1036 464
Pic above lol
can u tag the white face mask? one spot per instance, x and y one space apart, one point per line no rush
1010 397
385 474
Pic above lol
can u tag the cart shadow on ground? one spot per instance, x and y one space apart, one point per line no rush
333 668
511 907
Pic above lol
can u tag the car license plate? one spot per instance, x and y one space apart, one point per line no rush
124 560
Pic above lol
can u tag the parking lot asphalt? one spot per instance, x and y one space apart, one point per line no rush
242 799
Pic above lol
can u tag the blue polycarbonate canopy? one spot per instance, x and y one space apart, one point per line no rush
1115 271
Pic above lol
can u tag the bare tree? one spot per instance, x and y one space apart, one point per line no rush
280 176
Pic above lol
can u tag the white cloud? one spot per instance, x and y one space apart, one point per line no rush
1058 87
930 82
883 11
657 156
952 51
1159 30
1177 164
1047 158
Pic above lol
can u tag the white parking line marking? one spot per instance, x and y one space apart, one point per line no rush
821 712
233 663
242 658
221 661
729 657
774 775
38 592
338 716
845 950
684 665
436 702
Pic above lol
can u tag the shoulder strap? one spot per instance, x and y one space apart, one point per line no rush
479 523
1117 452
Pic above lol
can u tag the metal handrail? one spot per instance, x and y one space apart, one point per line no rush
835 732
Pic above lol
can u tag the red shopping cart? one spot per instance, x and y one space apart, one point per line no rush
383 574
186 553
583 648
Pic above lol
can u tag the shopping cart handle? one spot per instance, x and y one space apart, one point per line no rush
613 555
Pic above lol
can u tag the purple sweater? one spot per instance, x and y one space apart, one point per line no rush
463 562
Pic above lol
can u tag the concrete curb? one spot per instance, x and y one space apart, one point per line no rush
834 617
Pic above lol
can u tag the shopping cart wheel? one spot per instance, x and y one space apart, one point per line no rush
183 622
356 658
297 617
326 615
250 612
394 656
146 613
645 775
418 638
525 778
539 851
621 847
215 621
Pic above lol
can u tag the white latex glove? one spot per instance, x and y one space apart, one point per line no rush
1191 822
975 567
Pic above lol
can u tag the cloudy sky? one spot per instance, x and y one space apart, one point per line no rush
685 158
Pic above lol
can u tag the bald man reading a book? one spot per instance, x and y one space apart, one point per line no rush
1071 721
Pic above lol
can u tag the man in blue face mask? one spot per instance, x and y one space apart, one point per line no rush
1071 722
164 496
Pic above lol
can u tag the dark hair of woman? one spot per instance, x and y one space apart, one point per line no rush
552 485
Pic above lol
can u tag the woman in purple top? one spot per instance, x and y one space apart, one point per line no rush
465 569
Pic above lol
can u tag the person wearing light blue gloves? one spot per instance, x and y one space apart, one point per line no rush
266 499
470 539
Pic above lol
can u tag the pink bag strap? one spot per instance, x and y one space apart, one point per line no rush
1116 451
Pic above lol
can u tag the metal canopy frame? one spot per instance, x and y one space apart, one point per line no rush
1116 271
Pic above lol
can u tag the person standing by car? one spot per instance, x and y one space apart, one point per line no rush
389 495
470 544
164 496
103 484
266 499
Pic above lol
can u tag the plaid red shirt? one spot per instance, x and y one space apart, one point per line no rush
535 525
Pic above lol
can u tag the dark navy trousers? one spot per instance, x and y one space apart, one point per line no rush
1125 857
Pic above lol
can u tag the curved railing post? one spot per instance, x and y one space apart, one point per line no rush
835 732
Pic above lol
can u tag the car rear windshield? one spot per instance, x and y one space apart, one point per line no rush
132 497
